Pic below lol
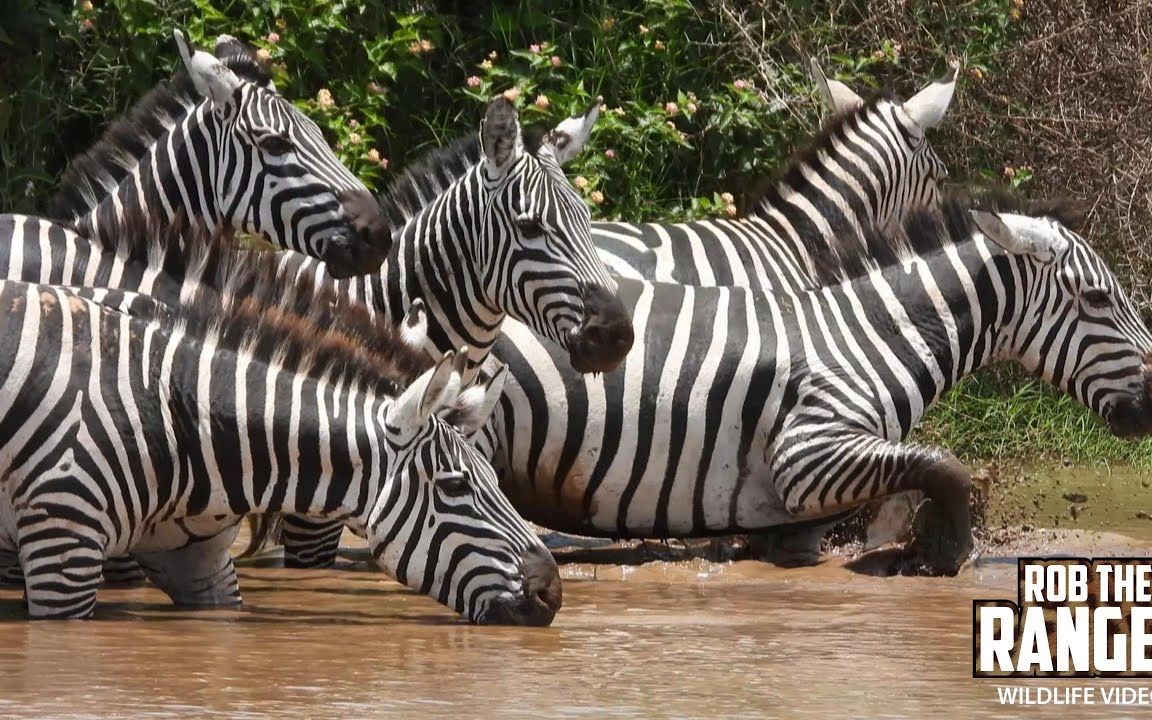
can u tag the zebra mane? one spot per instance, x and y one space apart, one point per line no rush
248 301
96 173
427 177
929 230
766 191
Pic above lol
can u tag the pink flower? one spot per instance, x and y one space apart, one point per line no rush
263 55
609 153
691 107
374 155
534 49
597 197
272 38
87 24
556 61
740 85
671 108
542 102
511 94
383 163
731 210
473 82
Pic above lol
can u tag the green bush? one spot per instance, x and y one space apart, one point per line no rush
703 100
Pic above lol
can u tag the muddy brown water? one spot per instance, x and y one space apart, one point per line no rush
662 640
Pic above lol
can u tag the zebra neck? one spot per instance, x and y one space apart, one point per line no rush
271 439
437 258
949 314
158 186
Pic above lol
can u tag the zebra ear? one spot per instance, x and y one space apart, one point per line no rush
475 404
425 395
927 107
500 135
1019 234
838 97
228 47
567 139
212 78
414 327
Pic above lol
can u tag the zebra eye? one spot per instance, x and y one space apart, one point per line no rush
1097 298
530 228
275 143
454 485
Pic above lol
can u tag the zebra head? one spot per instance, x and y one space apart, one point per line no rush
275 175
1076 328
888 136
441 525
541 267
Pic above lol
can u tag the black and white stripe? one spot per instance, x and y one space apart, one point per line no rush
739 411
869 167
490 229
119 430
220 145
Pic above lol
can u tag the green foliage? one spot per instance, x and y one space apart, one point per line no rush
699 104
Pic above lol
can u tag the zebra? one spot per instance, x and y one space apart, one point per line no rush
219 144
746 412
869 166
490 228
117 433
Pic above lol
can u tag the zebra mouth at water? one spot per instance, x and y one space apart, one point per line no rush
540 598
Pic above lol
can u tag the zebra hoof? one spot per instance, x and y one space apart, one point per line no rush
941 543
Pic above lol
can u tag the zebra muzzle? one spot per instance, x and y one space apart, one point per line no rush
362 244
605 336
542 593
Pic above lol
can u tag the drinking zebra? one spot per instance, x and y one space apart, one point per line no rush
220 145
490 228
119 434
870 165
742 412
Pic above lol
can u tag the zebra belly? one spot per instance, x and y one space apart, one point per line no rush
673 442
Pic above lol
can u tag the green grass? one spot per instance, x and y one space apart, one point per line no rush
1003 415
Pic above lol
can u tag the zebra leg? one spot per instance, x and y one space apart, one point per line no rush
826 470
791 546
11 575
123 570
198 575
310 543
62 568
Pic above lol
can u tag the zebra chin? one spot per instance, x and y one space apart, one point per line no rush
605 336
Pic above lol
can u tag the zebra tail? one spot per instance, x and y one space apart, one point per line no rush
263 530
